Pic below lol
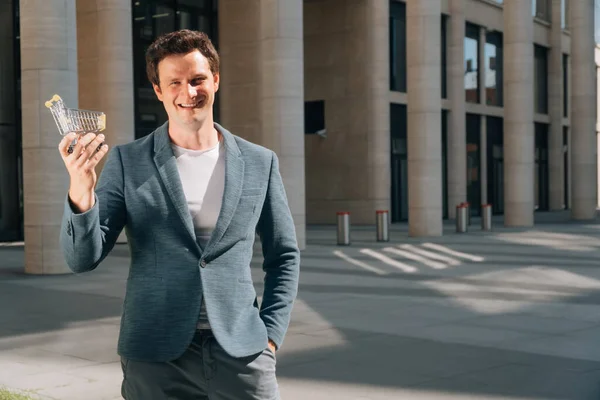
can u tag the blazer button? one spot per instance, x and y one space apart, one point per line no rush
203 263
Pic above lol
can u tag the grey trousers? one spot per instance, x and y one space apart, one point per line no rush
204 371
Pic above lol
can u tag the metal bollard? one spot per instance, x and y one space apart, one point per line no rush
383 229
461 218
486 217
343 228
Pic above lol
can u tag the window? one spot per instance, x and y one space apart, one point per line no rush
564 14
473 125
399 161
314 117
444 163
597 20
152 18
541 167
444 58
397 46
566 166
495 163
493 69
540 79
565 72
471 63
541 9
11 179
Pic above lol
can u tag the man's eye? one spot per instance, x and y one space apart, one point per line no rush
174 83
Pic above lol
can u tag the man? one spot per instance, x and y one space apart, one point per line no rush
191 197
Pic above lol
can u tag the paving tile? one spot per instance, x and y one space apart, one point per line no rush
531 323
536 381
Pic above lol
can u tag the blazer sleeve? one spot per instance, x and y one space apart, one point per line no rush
87 238
281 257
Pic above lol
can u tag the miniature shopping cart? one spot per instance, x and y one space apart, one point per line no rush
75 120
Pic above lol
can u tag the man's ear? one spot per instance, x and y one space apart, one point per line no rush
158 92
217 80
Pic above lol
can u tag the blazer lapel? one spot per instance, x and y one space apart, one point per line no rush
167 168
234 176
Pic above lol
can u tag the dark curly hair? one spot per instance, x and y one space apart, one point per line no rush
179 42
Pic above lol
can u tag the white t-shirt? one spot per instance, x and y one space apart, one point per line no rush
202 174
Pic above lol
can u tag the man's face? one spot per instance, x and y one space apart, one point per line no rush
187 88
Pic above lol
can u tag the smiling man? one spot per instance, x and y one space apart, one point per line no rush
191 197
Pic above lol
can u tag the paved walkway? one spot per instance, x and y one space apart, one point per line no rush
512 314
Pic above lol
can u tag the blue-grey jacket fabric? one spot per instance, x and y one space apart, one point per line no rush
140 189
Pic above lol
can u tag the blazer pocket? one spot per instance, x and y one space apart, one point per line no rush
252 192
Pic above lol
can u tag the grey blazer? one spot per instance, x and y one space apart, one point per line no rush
140 189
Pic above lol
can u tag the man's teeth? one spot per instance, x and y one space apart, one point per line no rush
189 105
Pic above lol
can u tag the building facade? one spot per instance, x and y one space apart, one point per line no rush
412 106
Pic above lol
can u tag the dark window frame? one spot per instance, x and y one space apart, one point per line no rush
472 33
496 39
444 55
565 73
540 76
398 48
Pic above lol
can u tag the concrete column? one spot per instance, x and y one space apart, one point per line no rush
9 187
105 64
518 109
239 49
583 110
555 108
457 140
282 98
378 104
48 66
424 115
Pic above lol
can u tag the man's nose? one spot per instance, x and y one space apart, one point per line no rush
192 90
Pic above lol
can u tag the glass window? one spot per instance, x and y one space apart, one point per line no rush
445 163
472 63
564 14
495 163
541 167
444 58
493 69
11 183
565 72
597 20
540 79
541 9
473 125
397 46
399 161
152 18
566 166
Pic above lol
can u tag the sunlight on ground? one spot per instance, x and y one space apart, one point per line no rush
558 241
425 255
318 390
537 283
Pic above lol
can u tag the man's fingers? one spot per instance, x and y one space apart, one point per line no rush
93 161
82 142
89 145
64 144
